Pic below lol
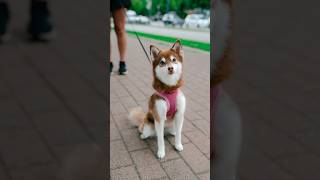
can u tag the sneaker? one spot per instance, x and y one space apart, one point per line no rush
122 68
4 19
40 27
111 67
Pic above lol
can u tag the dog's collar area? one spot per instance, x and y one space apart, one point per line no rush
167 92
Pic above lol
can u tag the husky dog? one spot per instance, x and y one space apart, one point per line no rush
167 104
225 116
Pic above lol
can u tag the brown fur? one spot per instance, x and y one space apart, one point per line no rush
157 84
223 67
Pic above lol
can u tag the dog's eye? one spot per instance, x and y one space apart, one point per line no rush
174 60
162 63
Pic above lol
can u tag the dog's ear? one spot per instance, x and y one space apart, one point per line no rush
177 47
154 51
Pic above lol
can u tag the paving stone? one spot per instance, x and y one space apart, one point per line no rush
60 128
203 125
123 122
177 169
205 176
132 139
310 163
249 160
196 160
169 148
3 174
117 108
184 139
125 173
147 165
128 102
119 156
35 151
47 171
114 133
200 140
273 143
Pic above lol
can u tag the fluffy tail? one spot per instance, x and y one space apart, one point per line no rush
136 116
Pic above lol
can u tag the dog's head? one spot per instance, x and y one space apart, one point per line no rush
167 66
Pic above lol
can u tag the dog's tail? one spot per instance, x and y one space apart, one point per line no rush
137 116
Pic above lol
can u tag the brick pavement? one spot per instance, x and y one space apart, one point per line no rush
52 96
133 158
276 85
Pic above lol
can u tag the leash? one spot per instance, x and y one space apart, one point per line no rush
135 32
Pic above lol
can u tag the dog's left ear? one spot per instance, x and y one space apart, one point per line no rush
177 47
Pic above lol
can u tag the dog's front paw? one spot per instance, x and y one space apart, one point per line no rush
179 147
161 154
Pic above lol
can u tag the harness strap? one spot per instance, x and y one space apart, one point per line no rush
165 98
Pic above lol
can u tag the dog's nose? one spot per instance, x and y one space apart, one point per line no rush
170 68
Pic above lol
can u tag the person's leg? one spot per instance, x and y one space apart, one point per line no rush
4 19
119 18
111 63
40 26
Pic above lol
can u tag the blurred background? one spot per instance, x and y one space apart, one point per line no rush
184 19
176 13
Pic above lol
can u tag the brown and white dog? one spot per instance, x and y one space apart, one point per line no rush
167 80
225 115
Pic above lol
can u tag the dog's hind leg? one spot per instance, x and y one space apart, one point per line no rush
148 131
160 118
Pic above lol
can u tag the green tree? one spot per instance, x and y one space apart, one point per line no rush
179 6
139 6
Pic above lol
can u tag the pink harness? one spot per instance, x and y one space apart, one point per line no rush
171 100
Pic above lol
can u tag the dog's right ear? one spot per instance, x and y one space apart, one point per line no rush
154 51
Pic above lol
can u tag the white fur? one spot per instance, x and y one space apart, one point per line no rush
178 120
169 79
161 108
136 116
174 129
148 131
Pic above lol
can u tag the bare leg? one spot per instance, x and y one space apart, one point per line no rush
119 18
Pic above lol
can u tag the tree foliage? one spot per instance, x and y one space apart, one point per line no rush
179 6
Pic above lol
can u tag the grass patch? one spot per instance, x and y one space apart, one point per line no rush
194 44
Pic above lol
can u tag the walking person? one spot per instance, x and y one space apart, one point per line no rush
40 27
118 11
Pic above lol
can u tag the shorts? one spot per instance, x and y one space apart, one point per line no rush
117 4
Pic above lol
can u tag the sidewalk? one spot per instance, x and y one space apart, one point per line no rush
133 158
52 96
276 85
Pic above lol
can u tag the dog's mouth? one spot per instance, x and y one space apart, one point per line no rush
170 72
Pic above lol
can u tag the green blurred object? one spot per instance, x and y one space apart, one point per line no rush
194 44
179 6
